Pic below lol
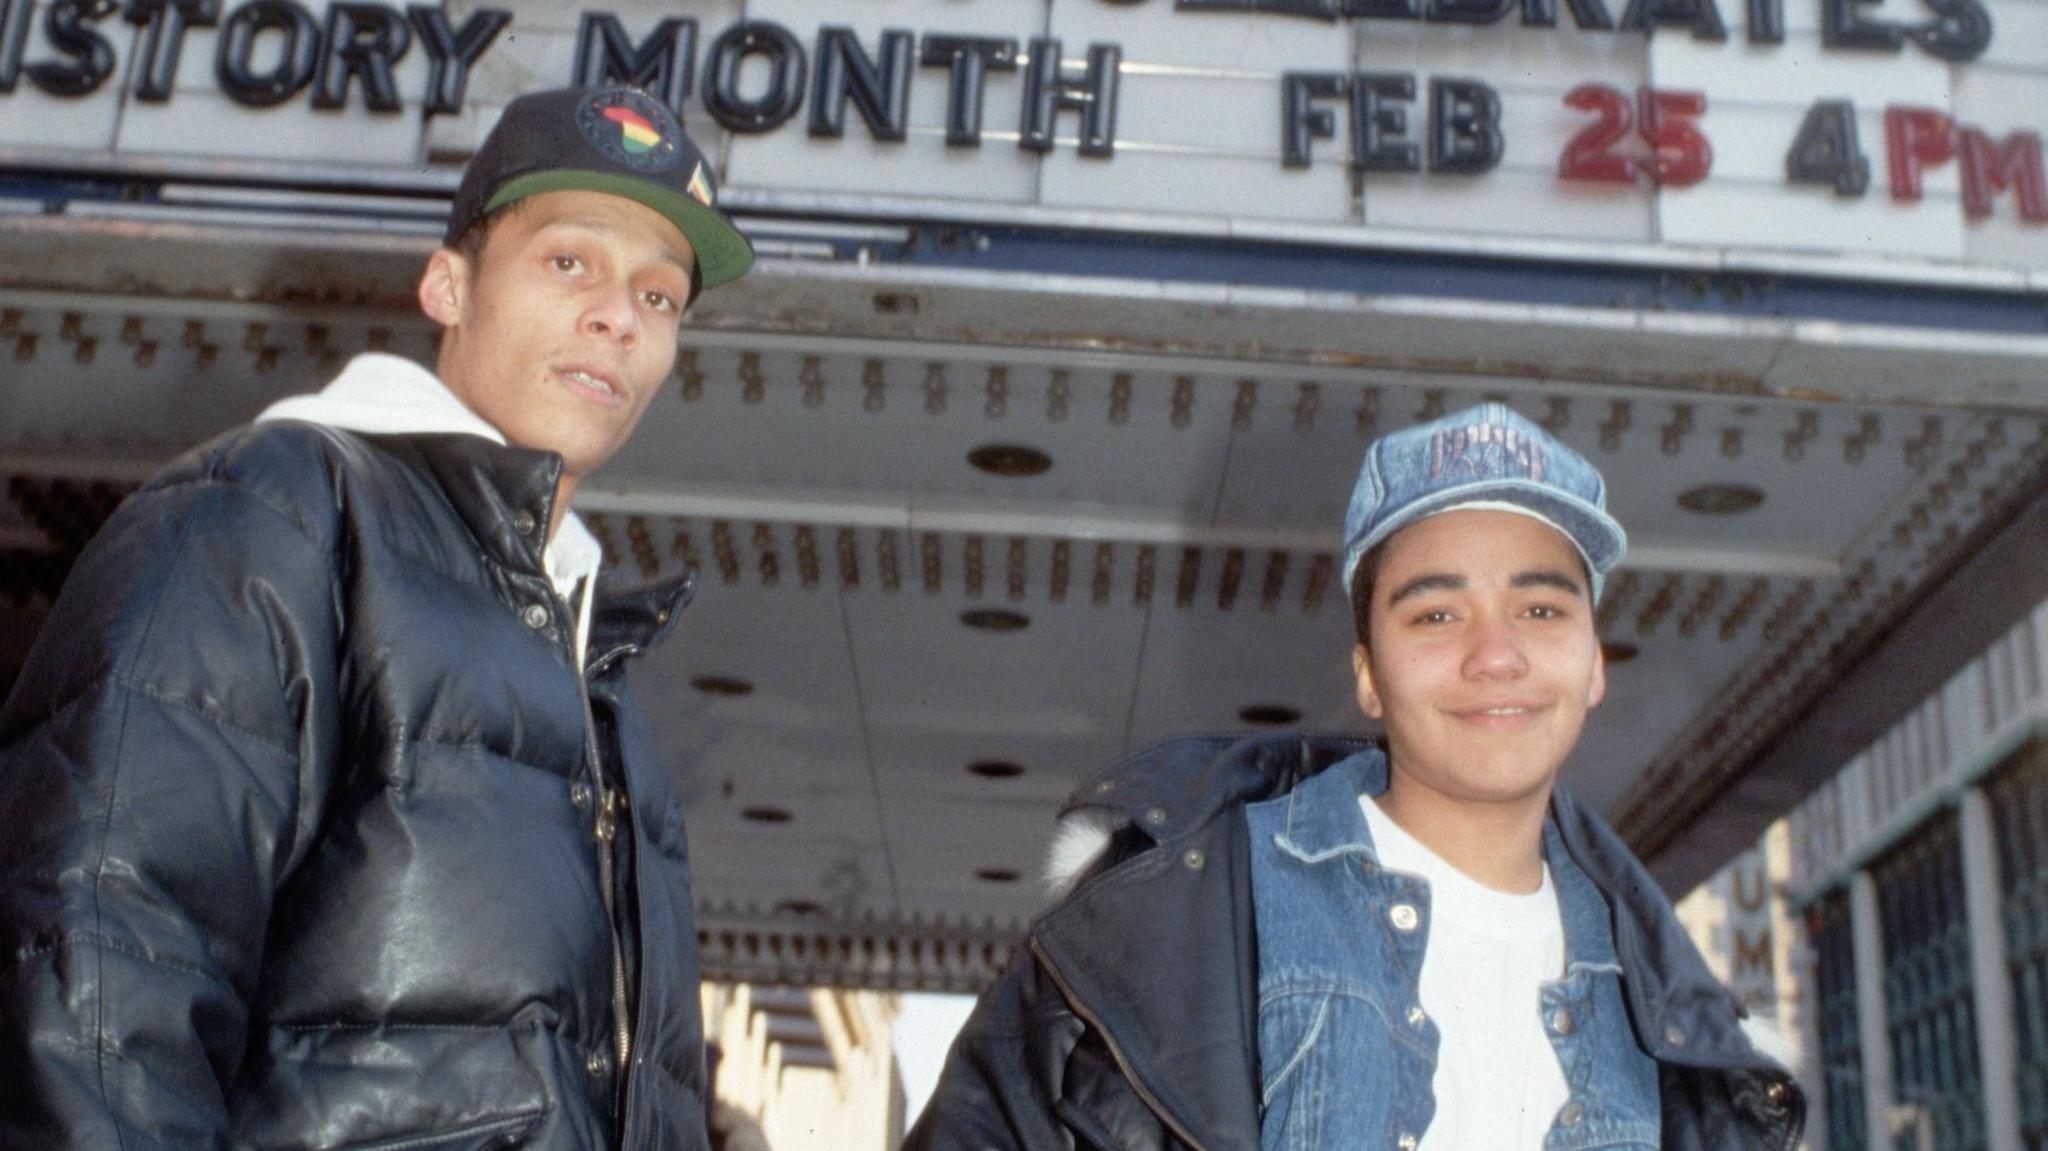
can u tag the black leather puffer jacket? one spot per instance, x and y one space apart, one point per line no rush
304 832
1129 1020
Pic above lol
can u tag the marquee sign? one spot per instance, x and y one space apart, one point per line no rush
1403 100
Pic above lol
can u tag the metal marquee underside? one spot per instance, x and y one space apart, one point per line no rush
900 662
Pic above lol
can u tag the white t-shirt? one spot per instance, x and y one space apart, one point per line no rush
1498 1083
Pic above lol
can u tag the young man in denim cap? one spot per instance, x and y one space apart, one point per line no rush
1309 944
329 819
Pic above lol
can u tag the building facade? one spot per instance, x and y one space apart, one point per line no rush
1896 922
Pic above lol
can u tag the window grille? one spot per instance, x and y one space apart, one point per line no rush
2018 797
1929 1006
1841 1043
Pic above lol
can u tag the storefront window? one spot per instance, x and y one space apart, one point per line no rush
1924 918
2019 810
1841 1042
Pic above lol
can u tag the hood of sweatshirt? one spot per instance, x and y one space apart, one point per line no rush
382 394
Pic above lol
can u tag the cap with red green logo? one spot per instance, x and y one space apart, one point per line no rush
616 140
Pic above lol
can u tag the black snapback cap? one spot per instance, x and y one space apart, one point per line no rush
617 140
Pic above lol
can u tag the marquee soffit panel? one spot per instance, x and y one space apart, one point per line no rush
967 532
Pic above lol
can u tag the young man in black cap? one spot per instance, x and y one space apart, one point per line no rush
330 821
1294 943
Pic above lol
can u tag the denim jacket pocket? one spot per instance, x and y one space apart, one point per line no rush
1320 1046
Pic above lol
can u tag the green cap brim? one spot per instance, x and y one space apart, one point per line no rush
722 253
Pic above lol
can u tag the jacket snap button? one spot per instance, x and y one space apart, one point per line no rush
598 1063
1776 1093
523 522
1674 1036
1572 1113
1417 1016
1106 785
579 794
1156 816
1561 1021
1407 1141
1194 860
536 616
1404 917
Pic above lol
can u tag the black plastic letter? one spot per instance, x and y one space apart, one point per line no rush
1464 127
1467 11
880 92
785 93
661 63
1842 26
1379 123
1826 151
295 66
67 27
1702 16
450 53
363 41
1300 120
1960 31
1048 89
1766 21
164 23
970 60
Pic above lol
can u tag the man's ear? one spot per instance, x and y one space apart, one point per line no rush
444 287
1368 693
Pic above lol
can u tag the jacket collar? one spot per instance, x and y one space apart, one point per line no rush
378 394
1323 819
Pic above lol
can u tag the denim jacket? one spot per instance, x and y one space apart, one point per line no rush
1129 1021
1344 1043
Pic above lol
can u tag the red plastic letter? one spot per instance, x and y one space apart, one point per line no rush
1991 167
1916 139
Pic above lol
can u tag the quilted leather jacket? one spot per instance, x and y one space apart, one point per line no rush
1128 1020
316 836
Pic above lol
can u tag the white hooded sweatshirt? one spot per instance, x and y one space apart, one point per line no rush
381 394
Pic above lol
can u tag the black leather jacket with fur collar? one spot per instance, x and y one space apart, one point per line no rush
1128 1020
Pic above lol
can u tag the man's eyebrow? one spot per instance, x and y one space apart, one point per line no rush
598 224
1435 581
1550 578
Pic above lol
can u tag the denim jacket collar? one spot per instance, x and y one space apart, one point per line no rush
1324 822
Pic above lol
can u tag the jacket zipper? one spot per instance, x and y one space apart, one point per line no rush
1116 1053
608 804
606 828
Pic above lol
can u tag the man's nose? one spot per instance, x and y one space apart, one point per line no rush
1494 651
610 313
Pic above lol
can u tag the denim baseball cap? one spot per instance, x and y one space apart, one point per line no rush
617 140
1490 456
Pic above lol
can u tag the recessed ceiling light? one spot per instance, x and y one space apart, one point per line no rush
995 769
995 619
722 685
996 875
1269 715
1721 499
766 814
1617 651
1011 461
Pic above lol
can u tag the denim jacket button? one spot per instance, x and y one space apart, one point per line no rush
1404 917
1561 1021
536 616
1407 1141
1572 1113
1674 1036
1417 1016
1776 1093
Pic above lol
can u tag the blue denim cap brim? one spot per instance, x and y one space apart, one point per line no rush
1598 538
